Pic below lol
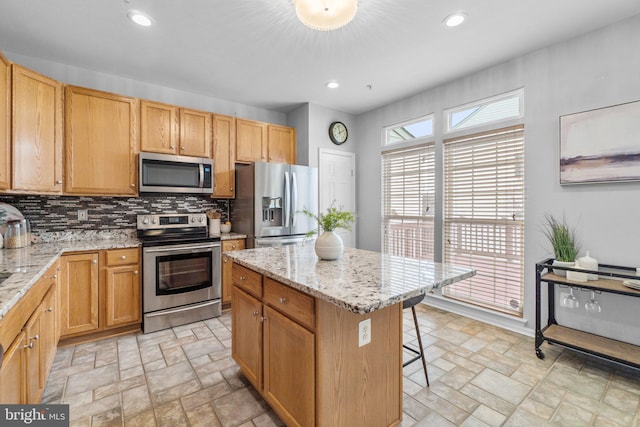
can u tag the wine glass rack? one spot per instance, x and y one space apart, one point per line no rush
609 280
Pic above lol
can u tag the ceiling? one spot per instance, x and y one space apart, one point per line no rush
256 52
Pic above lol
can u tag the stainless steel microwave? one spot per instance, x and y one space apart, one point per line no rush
166 173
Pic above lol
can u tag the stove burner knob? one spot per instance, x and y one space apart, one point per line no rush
193 219
145 220
154 221
201 219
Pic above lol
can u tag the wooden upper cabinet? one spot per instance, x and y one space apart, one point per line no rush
251 141
101 135
37 132
195 133
5 123
158 127
224 154
282 144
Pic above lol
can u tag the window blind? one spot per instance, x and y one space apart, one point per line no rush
484 217
408 196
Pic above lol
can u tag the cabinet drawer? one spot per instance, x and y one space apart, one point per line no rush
122 256
247 279
297 305
232 245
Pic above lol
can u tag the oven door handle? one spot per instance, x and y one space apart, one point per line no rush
180 249
181 309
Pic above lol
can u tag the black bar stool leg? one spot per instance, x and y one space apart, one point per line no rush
424 362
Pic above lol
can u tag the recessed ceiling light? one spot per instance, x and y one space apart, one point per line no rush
455 19
332 84
140 18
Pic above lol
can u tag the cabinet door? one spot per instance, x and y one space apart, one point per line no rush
195 133
282 144
227 282
79 293
12 373
158 127
48 333
122 288
5 123
224 154
251 141
289 369
37 132
101 136
33 356
246 342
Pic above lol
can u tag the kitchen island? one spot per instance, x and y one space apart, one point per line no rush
321 341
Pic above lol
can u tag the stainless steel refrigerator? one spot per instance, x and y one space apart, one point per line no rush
269 198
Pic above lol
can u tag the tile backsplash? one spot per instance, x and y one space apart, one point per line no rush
60 213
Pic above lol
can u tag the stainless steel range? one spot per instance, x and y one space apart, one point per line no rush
181 270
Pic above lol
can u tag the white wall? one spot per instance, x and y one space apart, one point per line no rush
110 83
319 120
595 70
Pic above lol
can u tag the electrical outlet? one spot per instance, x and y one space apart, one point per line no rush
364 332
563 296
83 215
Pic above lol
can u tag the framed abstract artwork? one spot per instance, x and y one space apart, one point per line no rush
601 145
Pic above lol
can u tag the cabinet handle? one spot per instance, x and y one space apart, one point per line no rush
283 300
58 182
30 345
35 337
135 272
123 257
50 309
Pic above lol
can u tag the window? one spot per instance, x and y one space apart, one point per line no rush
497 108
407 131
408 197
484 217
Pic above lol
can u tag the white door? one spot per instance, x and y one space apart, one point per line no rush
337 170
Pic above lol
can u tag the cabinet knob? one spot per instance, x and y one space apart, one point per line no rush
283 300
50 309
123 257
133 185
55 276
270 157
35 337
231 189
58 182
255 313
58 268
242 278
135 272
95 261
233 246
172 146
225 260
30 345
182 148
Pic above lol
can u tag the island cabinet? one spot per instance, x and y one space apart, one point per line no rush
37 132
101 142
303 356
100 292
32 325
227 280
224 156
5 123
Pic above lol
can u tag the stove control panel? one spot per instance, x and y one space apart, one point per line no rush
162 221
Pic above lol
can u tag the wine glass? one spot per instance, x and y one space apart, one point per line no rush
593 306
570 301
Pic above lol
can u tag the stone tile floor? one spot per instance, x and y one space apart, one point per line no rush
480 375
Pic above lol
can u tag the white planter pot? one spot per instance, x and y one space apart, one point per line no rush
329 246
562 264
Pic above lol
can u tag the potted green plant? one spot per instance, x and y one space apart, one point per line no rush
563 241
329 245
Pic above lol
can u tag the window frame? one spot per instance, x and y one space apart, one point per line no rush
493 124
386 145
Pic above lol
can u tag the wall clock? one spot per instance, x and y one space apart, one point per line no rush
338 133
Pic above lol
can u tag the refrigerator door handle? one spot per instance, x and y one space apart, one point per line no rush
287 199
294 198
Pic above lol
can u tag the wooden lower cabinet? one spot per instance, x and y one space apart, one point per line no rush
227 283
29 359
302 355
100 291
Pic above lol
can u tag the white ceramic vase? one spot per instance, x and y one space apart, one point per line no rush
563 273
329 246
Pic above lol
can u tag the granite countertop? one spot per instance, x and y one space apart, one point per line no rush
360 281
232 235
27 265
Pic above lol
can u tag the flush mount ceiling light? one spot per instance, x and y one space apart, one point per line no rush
326 15
140 18
332 84
455 19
